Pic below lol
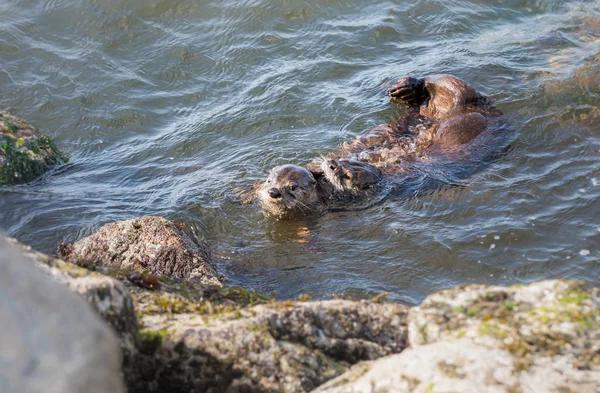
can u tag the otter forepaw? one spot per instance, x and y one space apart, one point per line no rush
409 90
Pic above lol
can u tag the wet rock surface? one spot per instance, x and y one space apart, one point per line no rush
51 339
25 154
146 244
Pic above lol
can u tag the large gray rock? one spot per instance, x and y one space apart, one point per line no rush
51 339
539 338
24 153
152 244
108 296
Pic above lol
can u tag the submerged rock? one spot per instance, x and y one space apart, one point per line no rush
51 340
24 153
543 337
150 244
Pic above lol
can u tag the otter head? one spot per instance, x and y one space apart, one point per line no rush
290 190
351 176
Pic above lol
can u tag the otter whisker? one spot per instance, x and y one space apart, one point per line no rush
301 204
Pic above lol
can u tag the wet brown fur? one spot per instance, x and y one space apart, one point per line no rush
448 113
444 111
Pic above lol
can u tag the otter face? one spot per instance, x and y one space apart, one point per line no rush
289 190
351 176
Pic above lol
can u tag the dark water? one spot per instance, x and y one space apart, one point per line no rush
168 107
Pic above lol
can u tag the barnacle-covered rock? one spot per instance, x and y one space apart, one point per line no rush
24 153
543 319
147 244
461 366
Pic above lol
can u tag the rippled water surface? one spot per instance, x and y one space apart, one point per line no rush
171 107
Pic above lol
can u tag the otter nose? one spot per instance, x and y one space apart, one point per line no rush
333 164
274 193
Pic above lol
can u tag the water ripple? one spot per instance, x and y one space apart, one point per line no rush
170 107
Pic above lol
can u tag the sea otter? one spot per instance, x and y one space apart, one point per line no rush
445 118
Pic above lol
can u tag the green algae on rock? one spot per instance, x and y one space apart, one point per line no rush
541 337
24 153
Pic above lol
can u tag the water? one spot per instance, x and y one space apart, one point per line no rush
171 107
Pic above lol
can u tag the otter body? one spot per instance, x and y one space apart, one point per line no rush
445 113
292 190
446 116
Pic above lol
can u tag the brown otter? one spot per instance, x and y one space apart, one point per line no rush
352 177
446 115
445 112
294 190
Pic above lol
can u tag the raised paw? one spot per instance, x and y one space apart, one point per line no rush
409 90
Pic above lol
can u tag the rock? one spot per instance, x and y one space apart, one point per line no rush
183 336
543 319
543 337
461 366
195 337
24 153
150 244
278 346
51 340
108 296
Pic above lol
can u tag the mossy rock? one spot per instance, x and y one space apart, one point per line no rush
25 154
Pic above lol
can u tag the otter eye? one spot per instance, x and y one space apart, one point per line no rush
346 177
268 181
293 186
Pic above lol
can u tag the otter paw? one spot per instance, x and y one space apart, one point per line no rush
410 90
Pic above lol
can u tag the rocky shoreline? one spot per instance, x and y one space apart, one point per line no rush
180 330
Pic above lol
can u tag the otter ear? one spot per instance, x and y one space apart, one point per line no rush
367 180
317 172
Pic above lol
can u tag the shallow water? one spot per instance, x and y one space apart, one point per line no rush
171 107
